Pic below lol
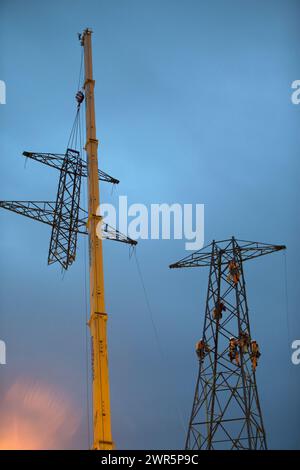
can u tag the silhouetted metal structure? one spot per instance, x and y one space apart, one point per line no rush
226 412
64 215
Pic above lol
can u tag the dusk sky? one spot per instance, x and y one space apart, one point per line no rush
193 105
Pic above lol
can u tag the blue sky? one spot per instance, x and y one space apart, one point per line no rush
193 106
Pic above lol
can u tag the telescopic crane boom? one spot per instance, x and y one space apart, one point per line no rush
98 316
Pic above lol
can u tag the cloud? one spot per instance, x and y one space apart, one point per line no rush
35 416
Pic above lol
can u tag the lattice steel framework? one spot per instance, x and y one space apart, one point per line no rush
226 412
63 240
64 215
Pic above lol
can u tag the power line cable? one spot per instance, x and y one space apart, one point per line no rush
162 355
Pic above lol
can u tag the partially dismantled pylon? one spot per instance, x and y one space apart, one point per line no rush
64 215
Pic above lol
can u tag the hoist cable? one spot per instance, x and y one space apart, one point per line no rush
75 130
80 71
72 142
85 301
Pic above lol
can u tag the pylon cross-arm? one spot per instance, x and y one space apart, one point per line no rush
247 249
56 160
44 211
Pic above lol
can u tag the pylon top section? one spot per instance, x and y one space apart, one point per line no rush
229 248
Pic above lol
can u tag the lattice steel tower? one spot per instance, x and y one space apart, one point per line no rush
226 412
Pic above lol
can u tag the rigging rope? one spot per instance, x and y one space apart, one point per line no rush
73 139
85 295
75 134
162 355
76 139
80 71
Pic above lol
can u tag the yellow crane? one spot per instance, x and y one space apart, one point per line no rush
102 436
67 220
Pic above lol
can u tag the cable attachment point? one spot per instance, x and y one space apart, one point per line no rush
79 98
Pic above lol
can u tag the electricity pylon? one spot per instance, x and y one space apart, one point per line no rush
65 216
67 219
226 412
